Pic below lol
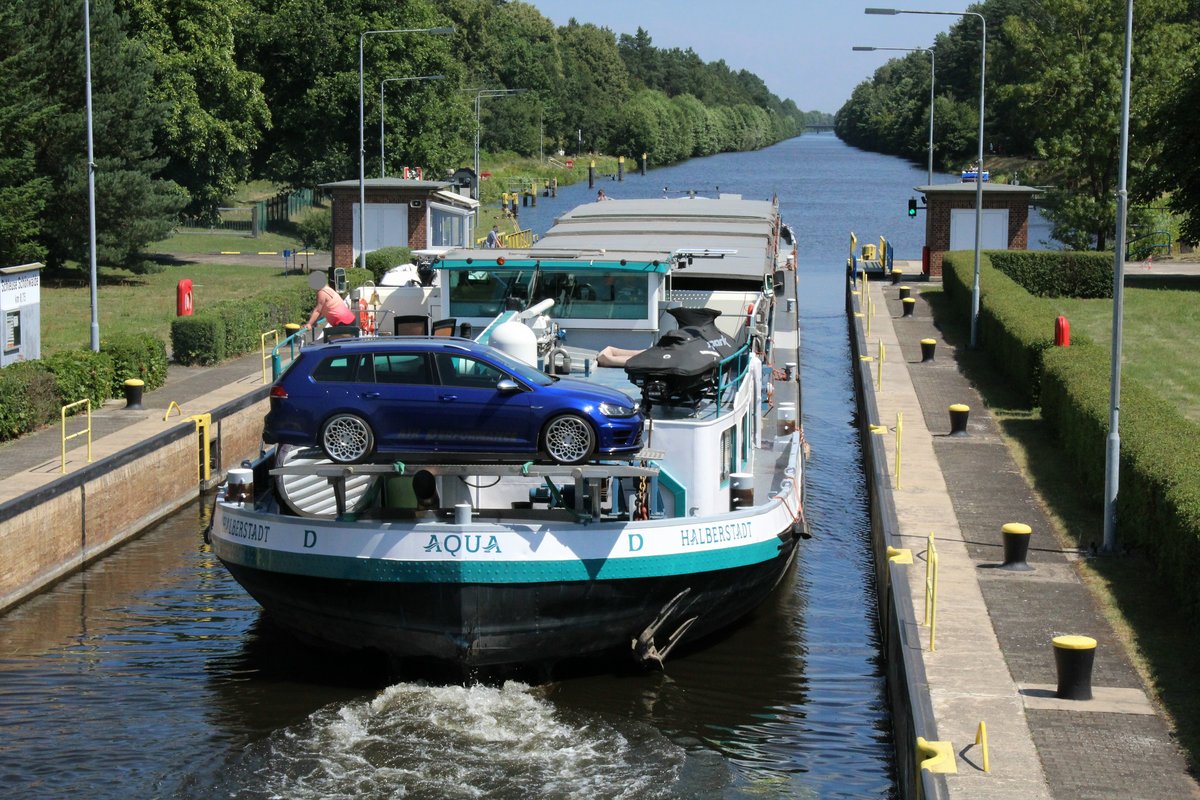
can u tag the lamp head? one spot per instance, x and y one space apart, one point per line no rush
886 11
862 49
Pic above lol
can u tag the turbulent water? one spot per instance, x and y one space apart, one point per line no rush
152 674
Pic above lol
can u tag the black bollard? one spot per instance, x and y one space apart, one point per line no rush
592 174
620 168
896 276
1073 659
1016 546
133 394
904 293
644 155
927 348
958 419
909 304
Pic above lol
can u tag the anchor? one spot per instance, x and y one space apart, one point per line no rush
643 646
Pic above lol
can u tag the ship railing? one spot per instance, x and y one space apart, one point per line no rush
731 371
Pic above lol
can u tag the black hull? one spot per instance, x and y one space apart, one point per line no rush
508 625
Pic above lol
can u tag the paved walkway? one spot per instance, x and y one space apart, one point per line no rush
35 460
994 660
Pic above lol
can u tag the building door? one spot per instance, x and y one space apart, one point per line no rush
387 226
993 236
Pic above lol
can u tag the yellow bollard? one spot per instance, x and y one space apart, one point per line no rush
981 739
899 555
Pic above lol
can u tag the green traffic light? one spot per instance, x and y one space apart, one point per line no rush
912 207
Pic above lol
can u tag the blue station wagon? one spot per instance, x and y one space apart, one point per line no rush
434 395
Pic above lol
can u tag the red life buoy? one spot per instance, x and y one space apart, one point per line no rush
366 321
183 298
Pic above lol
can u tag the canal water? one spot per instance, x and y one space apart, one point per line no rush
152 674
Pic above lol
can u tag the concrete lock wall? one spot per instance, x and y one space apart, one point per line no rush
49 533
904 664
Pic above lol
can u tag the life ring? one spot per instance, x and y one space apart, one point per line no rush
366 321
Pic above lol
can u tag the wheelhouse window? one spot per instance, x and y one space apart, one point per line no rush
594 295
485 293
576 295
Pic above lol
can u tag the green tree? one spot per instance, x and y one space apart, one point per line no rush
133 205
1180 164
214 111
1073 53
595 82
307 53
22 112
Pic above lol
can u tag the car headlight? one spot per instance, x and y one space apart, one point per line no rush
614 410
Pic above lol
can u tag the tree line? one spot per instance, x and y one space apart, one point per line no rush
192 99
1053 95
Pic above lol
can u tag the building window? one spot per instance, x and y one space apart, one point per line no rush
448 227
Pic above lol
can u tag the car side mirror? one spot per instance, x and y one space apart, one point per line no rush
507 386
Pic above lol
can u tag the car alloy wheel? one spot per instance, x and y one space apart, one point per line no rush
569 439
347 438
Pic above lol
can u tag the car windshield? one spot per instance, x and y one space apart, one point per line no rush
521 369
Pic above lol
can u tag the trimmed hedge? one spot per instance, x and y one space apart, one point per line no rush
28 399
136 355
233 327
381 260
1159 508
1015 328
1056 273
81 375
198 340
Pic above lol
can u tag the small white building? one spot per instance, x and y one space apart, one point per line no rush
20 307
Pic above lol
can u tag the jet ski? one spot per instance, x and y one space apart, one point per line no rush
681 368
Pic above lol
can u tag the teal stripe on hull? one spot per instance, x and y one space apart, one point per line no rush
363 569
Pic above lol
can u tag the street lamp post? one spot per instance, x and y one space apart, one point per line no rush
362 148
383 116
932 73
479 95
1112 453
979 161
91 178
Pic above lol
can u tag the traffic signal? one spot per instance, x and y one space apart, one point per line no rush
912 206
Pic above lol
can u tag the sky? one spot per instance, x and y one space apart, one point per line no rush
800 48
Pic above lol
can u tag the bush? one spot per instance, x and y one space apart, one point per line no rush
81 375
1013 327
233 327
136 355
360 277
28 399
198 340
315 229
1057 273
381 260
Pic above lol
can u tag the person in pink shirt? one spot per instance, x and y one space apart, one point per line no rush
330 304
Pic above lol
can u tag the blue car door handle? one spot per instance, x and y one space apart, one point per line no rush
448 397
371 395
